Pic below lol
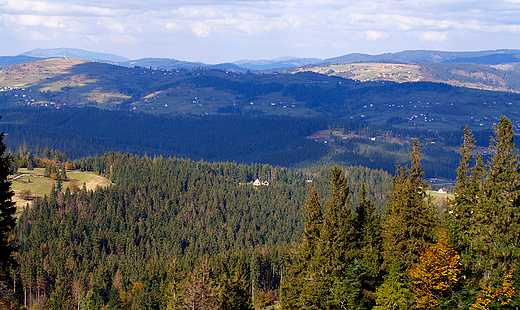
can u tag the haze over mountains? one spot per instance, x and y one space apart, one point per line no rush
490 57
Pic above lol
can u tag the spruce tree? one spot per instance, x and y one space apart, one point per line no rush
409 218
499 215
484 217
326 252
300 288
7 211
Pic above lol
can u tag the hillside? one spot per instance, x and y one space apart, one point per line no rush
279 63
60 83
178 233
174 64
162 218
289 142
496 78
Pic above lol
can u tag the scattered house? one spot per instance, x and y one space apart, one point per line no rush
259 182
442 190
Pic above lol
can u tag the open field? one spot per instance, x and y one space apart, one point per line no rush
372 71
38 185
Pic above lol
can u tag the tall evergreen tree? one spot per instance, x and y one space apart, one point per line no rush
410 217
499 214
330 272
7 211
484 217
367 223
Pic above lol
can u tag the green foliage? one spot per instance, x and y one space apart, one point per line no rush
234 292
176 234
7 218
410 218
327 274
160 221
394 293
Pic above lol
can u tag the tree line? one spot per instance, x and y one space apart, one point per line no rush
414 255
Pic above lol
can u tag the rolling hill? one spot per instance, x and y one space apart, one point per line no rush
422 104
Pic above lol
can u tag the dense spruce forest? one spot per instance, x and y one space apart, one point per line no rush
268 140
174 233
163 219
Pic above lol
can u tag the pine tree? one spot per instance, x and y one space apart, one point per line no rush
234 293
7 211
394 293
367 223
484 218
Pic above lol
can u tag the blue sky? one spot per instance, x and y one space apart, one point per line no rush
214 31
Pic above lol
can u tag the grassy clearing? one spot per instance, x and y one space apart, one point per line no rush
372 71
440 198
38 185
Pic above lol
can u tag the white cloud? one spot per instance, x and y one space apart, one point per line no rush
432 36
123 39
373 35
37 36
281 27
93 38
172 26
118 27
51 7
35 21
201 29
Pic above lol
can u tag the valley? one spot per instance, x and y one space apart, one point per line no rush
321 186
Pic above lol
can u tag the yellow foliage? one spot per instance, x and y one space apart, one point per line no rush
137 288
504 294
438 270
70 166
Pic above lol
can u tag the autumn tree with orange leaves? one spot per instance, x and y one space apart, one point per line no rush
434 276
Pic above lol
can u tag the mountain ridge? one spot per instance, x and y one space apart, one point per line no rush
74 53
485 57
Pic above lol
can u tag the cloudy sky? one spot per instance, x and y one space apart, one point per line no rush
215 31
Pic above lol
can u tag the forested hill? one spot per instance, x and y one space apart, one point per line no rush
163 219
288 142
60 83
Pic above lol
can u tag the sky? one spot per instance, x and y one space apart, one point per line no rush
217 31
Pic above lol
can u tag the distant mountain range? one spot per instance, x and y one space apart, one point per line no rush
278 63
491 57
168 64
423 56
74 53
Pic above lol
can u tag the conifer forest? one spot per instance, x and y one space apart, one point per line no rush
176 233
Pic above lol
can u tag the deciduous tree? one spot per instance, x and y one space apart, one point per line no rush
438 270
